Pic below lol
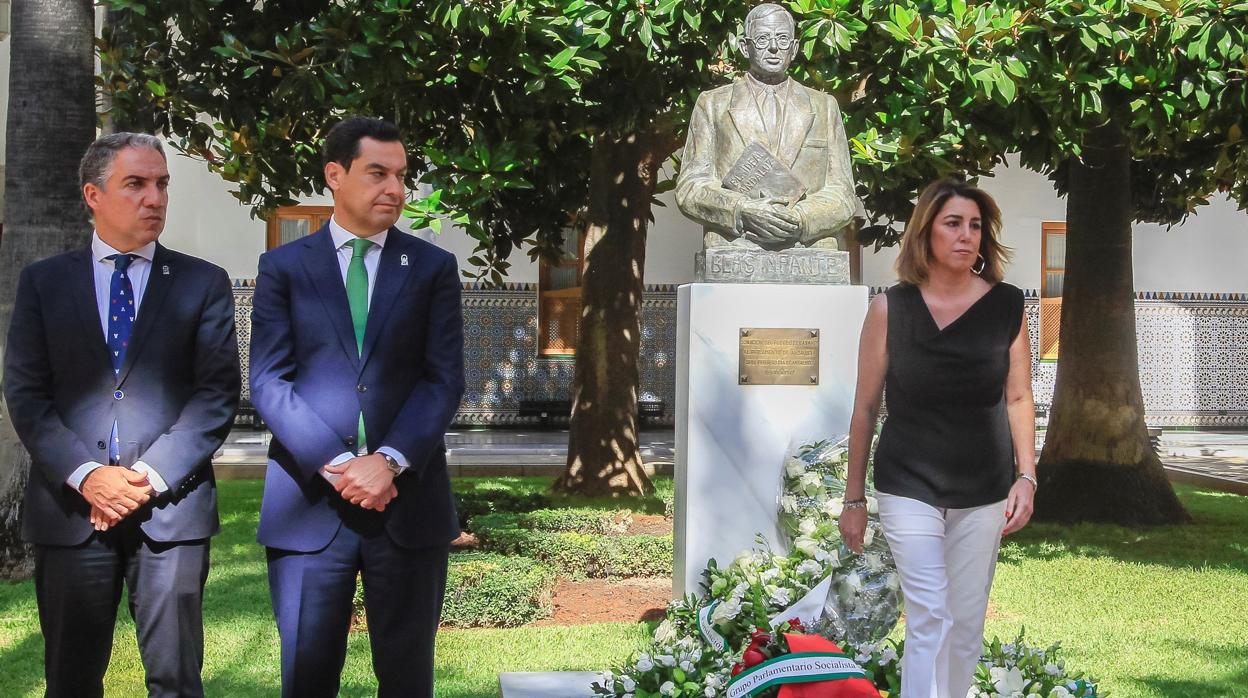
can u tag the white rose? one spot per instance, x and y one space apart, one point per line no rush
668 688
686 666
874 562
709 692
1060 692
665 633
811 482
788 503
888 656
873 505
809 567
833 507
666 660
795 467
629 684
868 536
1052 669
739 590
712 682
769 574
807 527
853 581
644 664
808 546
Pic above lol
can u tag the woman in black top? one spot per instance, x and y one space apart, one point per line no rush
955 464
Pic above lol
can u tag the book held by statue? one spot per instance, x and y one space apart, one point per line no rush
758 174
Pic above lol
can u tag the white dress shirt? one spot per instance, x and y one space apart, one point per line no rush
372 259
138 272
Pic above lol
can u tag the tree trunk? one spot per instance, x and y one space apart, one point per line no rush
603 452
1097 463
51 121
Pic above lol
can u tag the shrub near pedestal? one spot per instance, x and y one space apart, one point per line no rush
576 542
487 590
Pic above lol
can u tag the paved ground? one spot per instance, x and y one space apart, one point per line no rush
1218 460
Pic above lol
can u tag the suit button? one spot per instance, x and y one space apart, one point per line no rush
362 388
118 394
100 445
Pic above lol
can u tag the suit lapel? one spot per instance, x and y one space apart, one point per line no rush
154 294
797 123
392 274
745 116
82 288
320 261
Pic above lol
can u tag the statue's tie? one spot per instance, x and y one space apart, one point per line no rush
357 296
771 111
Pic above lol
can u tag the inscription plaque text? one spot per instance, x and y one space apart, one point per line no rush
778 356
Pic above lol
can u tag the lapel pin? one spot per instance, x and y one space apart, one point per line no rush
403 260
164 269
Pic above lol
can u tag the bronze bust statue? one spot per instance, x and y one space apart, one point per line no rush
766 165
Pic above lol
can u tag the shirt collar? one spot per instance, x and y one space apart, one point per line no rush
342 236
757 84
100 250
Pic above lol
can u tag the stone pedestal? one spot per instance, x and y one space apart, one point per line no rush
731 439
793 266
551 684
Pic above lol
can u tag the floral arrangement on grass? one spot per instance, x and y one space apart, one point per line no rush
700 641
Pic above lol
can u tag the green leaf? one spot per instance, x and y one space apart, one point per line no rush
561 59
156 88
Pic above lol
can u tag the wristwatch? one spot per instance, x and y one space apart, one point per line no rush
392 464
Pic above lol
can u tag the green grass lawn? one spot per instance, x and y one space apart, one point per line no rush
1160 613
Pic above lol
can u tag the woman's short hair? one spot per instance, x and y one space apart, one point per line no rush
916 242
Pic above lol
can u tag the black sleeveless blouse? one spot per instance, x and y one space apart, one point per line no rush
946 440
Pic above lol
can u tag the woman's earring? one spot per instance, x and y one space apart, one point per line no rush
981 263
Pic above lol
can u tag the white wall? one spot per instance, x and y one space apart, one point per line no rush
1208 252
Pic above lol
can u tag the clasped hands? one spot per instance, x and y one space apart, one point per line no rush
114 493
769 221
365 481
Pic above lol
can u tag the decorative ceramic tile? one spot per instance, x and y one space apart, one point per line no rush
1193 353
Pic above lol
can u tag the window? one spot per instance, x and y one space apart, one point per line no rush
559 299
1052 279
289 223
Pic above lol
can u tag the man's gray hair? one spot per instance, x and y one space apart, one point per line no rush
97 162
765 10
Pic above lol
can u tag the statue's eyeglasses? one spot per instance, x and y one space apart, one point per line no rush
762 42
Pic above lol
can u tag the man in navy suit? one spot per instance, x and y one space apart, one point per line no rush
122 378
357 367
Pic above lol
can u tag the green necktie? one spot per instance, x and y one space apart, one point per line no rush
357 296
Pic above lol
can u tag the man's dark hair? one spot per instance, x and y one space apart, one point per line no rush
342 143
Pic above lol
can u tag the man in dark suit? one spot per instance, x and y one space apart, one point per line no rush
122 379
357 367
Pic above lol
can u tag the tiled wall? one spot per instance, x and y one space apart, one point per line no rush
1193 355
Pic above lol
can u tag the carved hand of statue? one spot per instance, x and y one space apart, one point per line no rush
769 222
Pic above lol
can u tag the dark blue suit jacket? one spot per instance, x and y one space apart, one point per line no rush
309 384
178 391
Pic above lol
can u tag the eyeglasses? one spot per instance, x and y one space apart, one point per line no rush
762 42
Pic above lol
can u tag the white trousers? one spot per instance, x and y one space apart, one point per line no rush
946 559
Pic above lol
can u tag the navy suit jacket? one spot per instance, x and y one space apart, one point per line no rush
174 398
310 384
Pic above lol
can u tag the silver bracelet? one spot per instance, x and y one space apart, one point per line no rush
854 504
1035 484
